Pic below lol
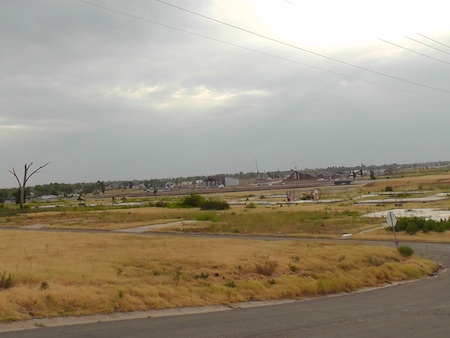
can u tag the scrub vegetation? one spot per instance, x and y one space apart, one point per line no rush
62 274
48 274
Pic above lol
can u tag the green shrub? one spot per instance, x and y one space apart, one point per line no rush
160 204
412 229
207 216
388 188
440 226
250 206
405 251
293 267
211 204
192 201
414 224
198 201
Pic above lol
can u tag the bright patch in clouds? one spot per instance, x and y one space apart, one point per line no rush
19 128
331 23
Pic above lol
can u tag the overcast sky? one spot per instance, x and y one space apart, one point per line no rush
141 89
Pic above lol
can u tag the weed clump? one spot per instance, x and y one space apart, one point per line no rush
293 267
6 281
203 275
267 268
44 285
405 251
231 284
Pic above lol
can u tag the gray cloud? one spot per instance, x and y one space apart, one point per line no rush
107 96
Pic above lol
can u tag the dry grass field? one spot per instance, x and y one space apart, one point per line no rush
61 274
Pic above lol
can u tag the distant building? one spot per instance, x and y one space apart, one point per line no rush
303 175
213 181
49 198
231 182
341 181
169 186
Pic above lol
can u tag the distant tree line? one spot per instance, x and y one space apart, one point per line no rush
70 189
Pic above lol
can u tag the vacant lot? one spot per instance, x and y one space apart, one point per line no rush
46 274
60 274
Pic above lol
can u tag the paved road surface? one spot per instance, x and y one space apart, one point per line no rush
418 309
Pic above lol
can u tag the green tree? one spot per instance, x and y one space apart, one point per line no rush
3 196
102 186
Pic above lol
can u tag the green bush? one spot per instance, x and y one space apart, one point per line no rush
405 251
211 204
192 201
412 229
412 225
293 267
388 188
250 206
207 216
441 226
198 201
160 204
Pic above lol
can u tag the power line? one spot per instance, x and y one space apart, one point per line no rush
426 37
422 43
413 51
302 49
258 52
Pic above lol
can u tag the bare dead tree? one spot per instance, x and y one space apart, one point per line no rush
26 176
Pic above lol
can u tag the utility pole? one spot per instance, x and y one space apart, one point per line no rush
257 170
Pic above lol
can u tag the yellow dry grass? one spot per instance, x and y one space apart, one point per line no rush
100 220
411 183
61 274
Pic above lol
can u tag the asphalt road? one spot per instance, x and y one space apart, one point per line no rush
417 309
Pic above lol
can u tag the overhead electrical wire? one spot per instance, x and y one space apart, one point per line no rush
302 49
258 52
426 37
413 51
422 43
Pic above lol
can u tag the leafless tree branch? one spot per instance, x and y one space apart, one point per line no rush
26 177
15 175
